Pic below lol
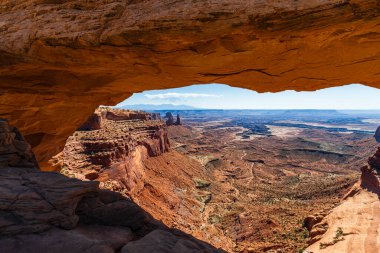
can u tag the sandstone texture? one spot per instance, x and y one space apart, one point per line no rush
354 225
60 60
130 154
113 150
259 190
49 212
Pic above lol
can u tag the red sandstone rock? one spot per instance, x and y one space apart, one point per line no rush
355 217
374 161
59 60
84 238
40 211
94 122
113 154
14 150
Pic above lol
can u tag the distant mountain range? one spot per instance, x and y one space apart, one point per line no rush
150 107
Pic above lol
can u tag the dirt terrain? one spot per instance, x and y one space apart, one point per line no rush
239 189
263 187
354 225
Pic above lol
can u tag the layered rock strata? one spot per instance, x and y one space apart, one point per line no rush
353 225
49 212
113 151
60 60
130 154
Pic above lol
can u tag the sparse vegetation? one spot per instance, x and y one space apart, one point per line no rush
254 194
214 219
204 197
200 183
338 237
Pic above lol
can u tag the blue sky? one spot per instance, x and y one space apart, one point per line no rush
220 96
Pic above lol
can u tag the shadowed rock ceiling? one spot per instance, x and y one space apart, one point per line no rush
60 59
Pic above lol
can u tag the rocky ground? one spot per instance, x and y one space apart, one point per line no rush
238 194
263 188
353 226
49 212
133 157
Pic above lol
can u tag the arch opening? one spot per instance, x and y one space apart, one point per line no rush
60 60
246 167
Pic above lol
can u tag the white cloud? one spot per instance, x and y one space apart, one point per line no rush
179 95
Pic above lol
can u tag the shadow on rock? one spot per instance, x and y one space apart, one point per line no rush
49 212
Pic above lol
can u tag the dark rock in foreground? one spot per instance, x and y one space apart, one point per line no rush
49 212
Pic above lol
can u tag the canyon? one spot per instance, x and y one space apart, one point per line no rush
220 177
61 59
68 57
49 212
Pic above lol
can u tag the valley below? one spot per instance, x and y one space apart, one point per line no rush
243 181
157 172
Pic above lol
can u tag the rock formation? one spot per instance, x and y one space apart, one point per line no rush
130 154
94 122
60 60
49 212
178 121
118 147
374 161
353 225
377 134
170 119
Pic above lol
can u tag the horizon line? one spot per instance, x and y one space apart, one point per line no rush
198 108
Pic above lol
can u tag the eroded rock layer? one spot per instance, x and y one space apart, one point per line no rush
354 225
49 212
112 147
130 154
59 60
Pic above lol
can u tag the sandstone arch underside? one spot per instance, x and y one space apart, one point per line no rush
60 59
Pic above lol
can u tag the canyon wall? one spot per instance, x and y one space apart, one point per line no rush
353 226
59 60
128 152
112 144
49 212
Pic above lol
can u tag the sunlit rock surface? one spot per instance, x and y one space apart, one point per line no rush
113 150
352 226
130 154
59 60
49 212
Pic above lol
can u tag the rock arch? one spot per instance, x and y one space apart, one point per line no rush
59 59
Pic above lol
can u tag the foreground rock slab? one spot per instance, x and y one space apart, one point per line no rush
90 238
49 212
353 226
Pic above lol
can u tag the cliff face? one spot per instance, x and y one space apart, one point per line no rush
113 147
59 60
353 225
49 212
130 154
